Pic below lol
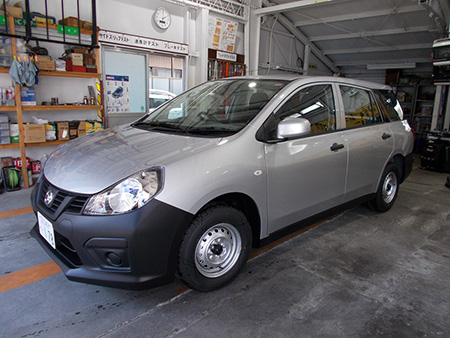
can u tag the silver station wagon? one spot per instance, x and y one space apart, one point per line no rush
189 189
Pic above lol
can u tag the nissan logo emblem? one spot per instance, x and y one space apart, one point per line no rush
48 199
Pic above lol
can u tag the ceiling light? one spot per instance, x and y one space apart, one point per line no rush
392 65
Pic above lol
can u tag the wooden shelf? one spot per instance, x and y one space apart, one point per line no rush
39 144
7 108
61 74
62 107
48 143
10 146
70 74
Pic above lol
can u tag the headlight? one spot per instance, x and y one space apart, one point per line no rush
130 194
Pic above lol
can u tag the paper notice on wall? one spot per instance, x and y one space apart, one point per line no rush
117 93
222 34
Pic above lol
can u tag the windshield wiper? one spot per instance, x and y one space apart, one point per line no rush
210 130
161 126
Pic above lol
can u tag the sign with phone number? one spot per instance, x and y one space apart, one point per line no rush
129 40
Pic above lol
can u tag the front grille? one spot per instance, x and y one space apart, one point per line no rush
66 249
63 201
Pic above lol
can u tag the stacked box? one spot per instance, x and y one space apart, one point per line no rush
4 129
28 96
62 130
73 129
34 133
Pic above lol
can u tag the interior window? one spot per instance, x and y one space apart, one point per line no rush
359 108
315 104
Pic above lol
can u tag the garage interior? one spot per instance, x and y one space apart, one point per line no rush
357 273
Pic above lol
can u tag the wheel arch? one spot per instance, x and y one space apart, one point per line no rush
246 205
399 161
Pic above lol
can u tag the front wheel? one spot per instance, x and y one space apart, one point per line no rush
215 248
387 190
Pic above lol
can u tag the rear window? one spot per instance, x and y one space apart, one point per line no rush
390 107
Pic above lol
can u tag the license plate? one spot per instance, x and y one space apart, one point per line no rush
46 230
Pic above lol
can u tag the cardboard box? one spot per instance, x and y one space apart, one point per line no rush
62 130
5 140
89 59
34 133
6 162
73 129
28 96
77 59
70 21
46 65
43 58
13 11
71 68
81 131
91 69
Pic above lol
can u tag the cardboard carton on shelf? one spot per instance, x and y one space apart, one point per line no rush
28 96
71 68
34 133
77 59
62 130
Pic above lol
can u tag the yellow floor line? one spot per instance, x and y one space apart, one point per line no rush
15 212
27 276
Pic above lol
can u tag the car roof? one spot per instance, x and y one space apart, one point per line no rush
312 79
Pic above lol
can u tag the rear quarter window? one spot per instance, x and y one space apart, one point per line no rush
389 105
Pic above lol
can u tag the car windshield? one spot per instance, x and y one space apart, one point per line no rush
215 109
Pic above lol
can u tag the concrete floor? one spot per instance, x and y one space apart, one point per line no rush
359 274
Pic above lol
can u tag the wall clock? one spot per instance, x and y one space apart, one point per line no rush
162 18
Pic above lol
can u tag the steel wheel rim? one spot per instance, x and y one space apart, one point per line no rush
218 250
389 188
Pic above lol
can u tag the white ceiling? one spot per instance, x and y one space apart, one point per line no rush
352 35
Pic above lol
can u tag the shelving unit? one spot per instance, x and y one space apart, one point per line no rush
417 104
19 108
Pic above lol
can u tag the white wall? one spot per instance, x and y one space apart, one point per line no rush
279 48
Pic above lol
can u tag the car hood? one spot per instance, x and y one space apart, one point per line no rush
94 162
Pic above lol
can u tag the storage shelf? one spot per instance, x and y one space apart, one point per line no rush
39 144
61 74
48 143
70 74
62 107
7 108
9 146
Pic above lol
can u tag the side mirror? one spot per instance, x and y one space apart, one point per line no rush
293 127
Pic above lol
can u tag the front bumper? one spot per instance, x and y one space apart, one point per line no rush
135 251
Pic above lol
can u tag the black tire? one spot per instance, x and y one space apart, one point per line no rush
387 190
215 248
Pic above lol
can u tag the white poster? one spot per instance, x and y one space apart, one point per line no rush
117 94
222 34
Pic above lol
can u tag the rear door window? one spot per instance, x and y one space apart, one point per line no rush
359 106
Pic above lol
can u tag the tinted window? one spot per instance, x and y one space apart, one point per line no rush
389 105
359 106
315 104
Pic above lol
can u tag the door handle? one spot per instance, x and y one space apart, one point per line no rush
386 136
336 146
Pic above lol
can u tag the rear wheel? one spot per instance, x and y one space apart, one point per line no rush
387 190
215 248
